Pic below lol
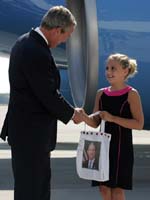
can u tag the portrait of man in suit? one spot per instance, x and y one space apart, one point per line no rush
91 155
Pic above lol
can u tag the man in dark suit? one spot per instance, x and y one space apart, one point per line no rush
36 104
91 162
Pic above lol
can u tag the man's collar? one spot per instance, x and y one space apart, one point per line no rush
40 32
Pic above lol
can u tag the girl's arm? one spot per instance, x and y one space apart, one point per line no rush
92 120
137 113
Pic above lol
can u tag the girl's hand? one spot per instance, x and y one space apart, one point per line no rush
106 116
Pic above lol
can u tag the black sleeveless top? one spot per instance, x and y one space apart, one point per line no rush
121 147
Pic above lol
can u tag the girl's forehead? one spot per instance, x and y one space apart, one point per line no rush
112 62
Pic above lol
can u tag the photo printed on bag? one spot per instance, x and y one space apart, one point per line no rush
91 155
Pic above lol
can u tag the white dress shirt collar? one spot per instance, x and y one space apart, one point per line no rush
40 32
90 163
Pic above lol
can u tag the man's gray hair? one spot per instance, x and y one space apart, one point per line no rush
58 16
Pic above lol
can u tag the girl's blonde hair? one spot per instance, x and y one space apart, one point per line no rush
125 62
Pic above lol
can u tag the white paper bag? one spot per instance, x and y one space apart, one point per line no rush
92 161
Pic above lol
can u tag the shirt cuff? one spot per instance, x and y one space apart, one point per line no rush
73 115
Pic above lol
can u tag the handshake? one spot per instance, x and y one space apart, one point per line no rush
93 119
79 115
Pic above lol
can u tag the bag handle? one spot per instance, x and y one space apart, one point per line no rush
102 127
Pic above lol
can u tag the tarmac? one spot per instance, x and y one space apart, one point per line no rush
65 182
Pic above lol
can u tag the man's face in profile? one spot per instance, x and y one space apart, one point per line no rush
91 151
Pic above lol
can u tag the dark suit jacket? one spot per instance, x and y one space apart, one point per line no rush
35 102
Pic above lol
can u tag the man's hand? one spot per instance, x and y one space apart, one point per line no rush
78 115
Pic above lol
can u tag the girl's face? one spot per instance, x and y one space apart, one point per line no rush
115 73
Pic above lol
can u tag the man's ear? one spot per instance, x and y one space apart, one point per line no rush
58 30
55 31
